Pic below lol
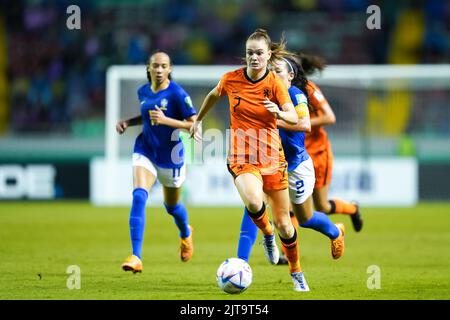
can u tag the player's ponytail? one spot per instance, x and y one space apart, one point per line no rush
311 63
279 49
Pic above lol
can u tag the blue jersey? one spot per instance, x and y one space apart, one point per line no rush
160 143
294 141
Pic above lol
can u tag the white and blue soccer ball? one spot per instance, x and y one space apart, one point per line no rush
234 275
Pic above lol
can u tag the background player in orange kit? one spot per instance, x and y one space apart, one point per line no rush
319 147
257 98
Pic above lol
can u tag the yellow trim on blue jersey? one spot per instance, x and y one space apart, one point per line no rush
302 110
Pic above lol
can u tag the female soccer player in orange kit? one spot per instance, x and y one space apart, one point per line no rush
319 147
300 166
257 98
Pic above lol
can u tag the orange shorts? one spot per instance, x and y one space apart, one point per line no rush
323 166
275 181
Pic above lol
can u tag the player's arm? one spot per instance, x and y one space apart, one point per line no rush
326 118
159 118
287 112
122 125
319 102
209 102
304 122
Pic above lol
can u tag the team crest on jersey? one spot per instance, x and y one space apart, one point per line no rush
164 103
266 92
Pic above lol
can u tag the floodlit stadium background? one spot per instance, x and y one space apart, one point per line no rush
53 79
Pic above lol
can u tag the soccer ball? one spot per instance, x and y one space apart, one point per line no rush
234 275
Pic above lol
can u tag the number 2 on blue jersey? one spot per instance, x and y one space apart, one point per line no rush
300 190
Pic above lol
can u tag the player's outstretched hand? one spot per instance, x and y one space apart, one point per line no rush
272 108
196 130
121 126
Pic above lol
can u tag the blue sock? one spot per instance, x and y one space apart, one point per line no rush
137 220
247 237
322 223
180 215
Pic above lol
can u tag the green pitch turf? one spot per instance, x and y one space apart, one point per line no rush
39 241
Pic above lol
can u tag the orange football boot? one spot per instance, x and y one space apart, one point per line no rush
337 245
187 247
132 263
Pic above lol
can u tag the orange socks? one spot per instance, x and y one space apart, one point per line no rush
341 206
290 249
261 220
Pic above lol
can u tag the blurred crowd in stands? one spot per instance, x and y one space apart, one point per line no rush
56 76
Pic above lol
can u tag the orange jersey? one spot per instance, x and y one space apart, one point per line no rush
254 135
316 140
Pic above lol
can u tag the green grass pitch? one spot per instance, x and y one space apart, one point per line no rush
39 241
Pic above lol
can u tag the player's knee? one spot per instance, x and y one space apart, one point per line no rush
254 205
254 202
283 226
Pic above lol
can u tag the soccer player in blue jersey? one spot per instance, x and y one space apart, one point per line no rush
300 167
159 154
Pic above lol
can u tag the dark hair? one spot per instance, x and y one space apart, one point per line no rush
278 49
148 65
311 63
300 80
